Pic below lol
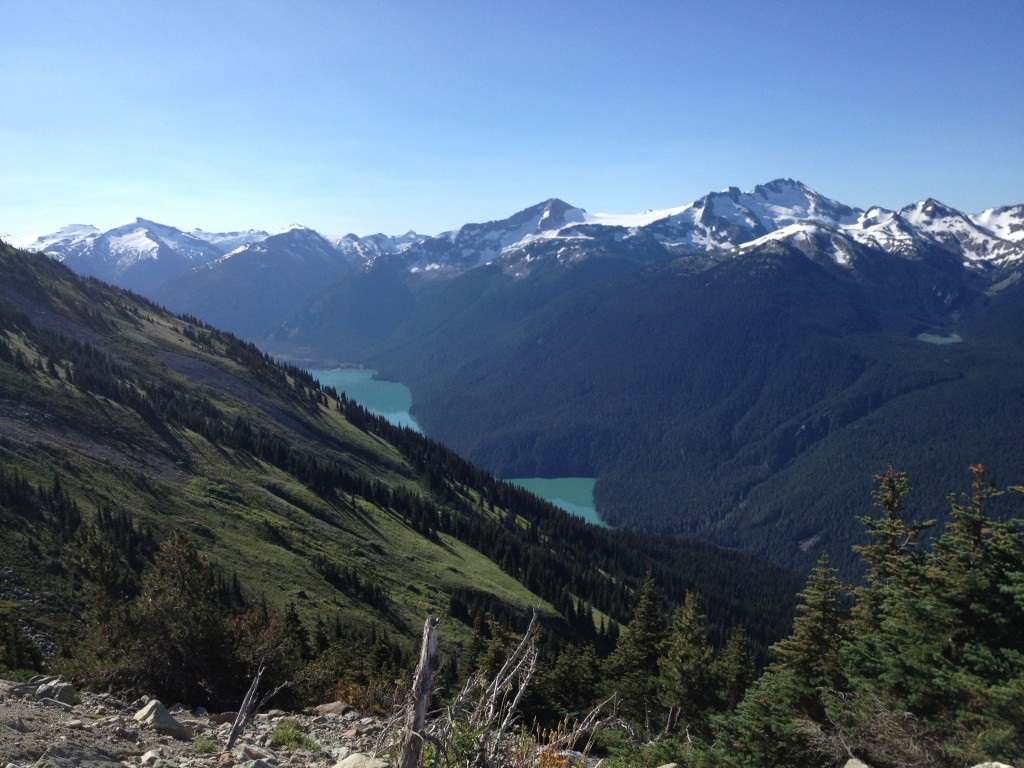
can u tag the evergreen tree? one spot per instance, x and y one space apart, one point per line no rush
768 726
686 683
17 650
946 643
180 631
813 651
734 669
632 668
571 684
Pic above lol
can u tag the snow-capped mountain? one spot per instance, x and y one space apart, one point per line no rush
291 246
229 241
144 255
721 222
994 238
140 255
247 290
473 245
370 247
70 239
1006 222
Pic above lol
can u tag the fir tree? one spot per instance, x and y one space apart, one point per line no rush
632 668
685 684
734 669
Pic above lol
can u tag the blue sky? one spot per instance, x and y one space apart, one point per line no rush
387 116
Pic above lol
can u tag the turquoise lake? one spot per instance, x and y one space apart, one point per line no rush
393 401
573 494
383 398
931 338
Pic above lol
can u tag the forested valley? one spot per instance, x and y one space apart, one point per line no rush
181 509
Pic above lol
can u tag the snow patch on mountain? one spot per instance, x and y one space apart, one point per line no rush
1006 223
63 237
229 241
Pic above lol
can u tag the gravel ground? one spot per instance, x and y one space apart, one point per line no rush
105 725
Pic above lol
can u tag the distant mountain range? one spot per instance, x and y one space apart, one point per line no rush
734 369
145 252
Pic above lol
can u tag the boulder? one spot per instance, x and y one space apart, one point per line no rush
334 708
58 690
71 755
853 762
156 716
359 760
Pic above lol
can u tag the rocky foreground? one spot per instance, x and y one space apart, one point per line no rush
47 724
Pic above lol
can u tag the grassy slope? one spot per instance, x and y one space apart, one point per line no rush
246 515
255 518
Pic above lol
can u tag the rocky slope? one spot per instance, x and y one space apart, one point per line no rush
100 730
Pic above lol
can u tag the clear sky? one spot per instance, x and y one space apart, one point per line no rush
353 116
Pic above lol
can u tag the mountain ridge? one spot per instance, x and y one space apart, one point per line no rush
716 221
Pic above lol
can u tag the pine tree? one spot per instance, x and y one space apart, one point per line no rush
948 646
813 651
734 669
686 684
180 631
632 668
767 726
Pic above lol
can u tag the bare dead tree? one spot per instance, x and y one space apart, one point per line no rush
419 697
250 707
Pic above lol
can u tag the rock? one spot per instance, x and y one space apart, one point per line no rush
359 760
340 753
334 708
249 752
853 762
669 765
54 703
59 689
152 757
256 764
156 716
223 717
71 755
992 765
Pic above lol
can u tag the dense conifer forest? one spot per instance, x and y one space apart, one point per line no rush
124 427
180 509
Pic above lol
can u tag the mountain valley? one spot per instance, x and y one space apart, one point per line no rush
735 369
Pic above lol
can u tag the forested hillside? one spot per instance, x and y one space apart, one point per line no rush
134 441
746 403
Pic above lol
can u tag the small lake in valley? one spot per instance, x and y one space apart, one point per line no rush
931 338
393 401
382 398
573 494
